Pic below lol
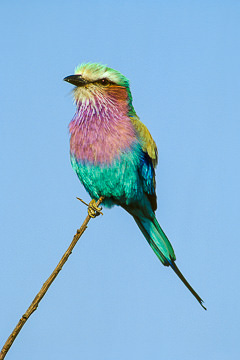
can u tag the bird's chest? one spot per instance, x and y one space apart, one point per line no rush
100 139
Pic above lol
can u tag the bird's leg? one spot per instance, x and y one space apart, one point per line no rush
93 210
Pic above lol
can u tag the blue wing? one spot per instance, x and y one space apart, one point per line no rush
147 175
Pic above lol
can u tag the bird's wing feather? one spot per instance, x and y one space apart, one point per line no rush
148 162
148 144
147 175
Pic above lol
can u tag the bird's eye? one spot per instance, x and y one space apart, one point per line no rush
104 82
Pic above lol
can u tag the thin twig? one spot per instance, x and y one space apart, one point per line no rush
45 286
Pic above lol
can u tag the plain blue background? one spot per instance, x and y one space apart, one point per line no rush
114 300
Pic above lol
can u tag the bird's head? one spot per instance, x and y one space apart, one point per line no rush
99 84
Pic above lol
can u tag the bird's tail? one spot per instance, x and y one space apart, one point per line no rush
162 247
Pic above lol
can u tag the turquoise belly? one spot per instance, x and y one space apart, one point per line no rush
119 182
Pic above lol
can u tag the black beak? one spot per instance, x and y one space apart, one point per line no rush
76 80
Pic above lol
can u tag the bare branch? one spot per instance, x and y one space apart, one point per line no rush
47 283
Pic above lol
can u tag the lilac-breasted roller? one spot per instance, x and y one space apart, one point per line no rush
114 154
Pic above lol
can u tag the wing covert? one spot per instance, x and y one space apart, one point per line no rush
148 144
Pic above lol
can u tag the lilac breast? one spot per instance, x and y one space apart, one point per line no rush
100 132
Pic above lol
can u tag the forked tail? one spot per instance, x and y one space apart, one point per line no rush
162 247
186 283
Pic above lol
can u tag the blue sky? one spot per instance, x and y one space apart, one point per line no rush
113 299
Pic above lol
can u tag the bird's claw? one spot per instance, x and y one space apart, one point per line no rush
93 209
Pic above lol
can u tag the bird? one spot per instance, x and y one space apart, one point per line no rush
114 154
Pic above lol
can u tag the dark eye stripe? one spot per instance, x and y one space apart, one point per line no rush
104 81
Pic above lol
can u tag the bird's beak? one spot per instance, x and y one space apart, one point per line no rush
76 80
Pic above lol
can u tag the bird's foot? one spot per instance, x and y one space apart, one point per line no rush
93 209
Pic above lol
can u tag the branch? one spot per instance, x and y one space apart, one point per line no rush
47 283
